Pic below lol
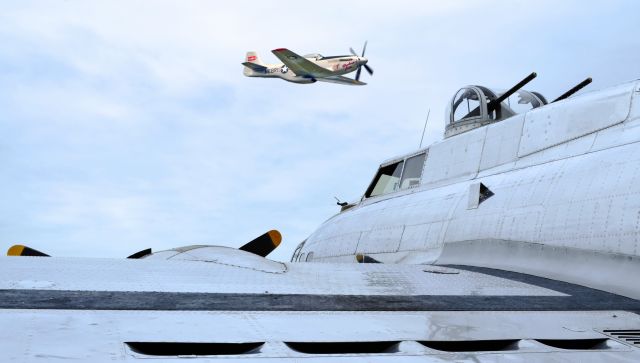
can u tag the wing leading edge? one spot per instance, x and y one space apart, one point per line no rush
300 65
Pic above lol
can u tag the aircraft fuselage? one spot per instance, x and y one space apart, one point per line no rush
339 65
564 183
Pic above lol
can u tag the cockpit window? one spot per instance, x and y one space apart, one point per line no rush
317 56
403 174
412 172
466 104
387 180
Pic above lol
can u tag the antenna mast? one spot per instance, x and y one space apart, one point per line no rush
425 128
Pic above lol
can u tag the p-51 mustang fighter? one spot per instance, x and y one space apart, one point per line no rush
309 68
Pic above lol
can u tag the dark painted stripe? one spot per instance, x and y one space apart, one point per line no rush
127 300
578 298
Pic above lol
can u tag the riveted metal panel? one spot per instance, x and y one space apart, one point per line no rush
454 159
566 120
502 142
420 236
386 239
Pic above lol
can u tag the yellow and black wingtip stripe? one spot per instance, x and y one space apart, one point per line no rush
264 244
21 250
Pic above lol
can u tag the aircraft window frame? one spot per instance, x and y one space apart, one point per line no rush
405 169
398 185
456 106
379 173
296 253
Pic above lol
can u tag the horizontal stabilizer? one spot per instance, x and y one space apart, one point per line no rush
20 250
264 244
255 67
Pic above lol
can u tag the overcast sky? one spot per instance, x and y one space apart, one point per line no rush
128 124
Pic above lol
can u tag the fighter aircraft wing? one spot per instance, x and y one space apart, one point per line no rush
341 80
300 65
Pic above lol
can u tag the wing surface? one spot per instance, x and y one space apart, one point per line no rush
341 80
212 300
300 65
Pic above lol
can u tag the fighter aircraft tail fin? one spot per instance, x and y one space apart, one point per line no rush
253 64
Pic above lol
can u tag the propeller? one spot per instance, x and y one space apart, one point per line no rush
369 69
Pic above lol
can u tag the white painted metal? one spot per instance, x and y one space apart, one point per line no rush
502 143
99 336
454 159
565 177
101 274
572 118
565 205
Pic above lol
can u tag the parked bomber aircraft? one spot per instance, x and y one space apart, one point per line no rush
309 68
516 238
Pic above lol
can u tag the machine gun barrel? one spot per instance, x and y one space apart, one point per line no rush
491 106
575 89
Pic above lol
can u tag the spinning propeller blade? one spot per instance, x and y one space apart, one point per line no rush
366 67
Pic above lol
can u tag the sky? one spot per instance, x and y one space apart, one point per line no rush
126 125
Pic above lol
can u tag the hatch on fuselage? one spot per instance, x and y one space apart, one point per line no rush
475 106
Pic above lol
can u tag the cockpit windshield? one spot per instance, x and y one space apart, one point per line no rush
317 56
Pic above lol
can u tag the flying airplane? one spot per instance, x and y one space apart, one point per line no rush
309 68
514 239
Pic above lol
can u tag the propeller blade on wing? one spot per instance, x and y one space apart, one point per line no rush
369 69
141 254
353 52
264 244
361 258
358 73
20 250
364 48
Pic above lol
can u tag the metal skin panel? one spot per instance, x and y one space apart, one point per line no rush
456 158
579 197
393 211
377 240
566 120
99 336
421 236
502 142
565 150
176 277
